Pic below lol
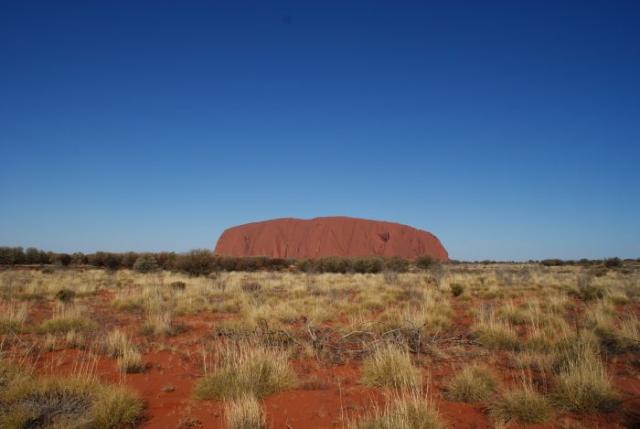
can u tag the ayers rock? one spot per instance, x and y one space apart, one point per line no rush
328 236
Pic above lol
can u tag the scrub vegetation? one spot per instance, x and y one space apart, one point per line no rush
182 341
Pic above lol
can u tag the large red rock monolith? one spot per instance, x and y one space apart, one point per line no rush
328 236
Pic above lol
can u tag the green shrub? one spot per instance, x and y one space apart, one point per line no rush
333 265
367 265
196 262
424 262
613 263
146 264
397 265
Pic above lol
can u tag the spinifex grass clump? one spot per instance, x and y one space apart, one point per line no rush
26 401
12 317
494 333
583 384
66 318
628 336
473 384
247 369
522 405
411 411
244 413
390 366
159 319
128 357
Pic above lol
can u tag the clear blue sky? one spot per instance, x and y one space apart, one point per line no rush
511 130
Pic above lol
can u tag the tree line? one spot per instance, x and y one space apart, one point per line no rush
203 262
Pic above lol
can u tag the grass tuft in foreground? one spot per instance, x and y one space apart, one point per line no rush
26 401
65 319
247 369
523 405
244 413
128 357
412 411
473 384
390 366
12 317
584 385
494 333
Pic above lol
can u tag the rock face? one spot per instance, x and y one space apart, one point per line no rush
328 236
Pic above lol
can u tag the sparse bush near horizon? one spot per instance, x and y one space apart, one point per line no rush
425 262
196 262
613 263
146 264
397 264
363 265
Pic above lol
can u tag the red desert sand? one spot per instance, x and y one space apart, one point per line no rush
328 236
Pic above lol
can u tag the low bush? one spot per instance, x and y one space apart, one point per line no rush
146 264
613 263
196 262
397 265
424 262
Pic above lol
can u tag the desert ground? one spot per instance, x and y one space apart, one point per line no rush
455 345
